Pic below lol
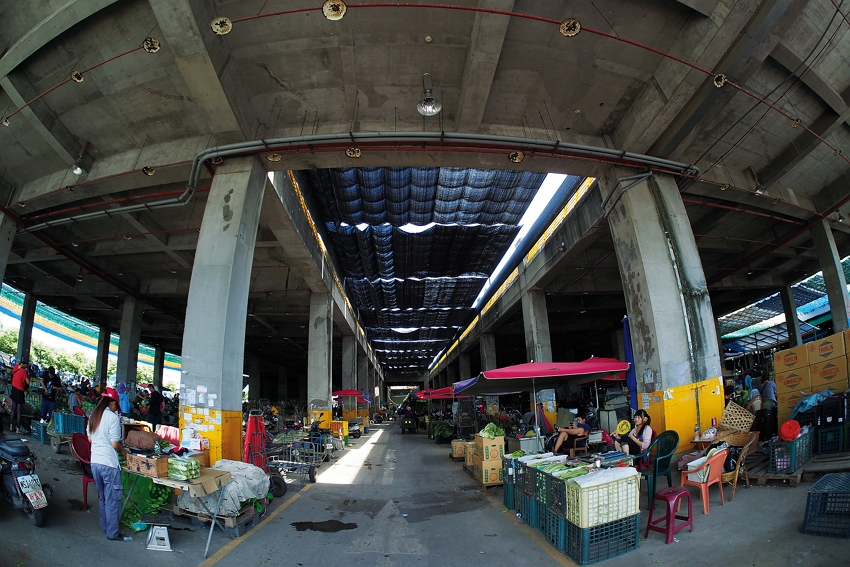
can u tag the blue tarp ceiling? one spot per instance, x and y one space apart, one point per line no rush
425 279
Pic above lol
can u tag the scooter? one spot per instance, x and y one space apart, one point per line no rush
18 481
354 430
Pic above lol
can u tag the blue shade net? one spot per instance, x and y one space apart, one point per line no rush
426 279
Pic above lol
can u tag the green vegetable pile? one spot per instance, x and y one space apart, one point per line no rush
443 429
183 469
560 470
517 453
148 498
492 431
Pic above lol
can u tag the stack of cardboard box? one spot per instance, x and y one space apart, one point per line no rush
487 462
810 368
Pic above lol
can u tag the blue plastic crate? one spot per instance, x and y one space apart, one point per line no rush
39 431
554 529
529 481
788 456
828 507
66 423
558 496
527 510
508 496
510 469
586 546
830 439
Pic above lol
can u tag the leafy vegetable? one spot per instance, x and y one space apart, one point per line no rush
492 431
517 453
443 429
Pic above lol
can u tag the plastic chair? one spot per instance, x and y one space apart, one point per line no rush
671 496
81 448
714 464
580 445
665 446
644 462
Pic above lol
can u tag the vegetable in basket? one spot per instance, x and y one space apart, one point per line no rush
491 431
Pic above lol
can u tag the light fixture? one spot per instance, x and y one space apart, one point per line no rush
76 169
428 105
173 271
74 244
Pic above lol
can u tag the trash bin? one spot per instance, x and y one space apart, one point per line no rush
766 424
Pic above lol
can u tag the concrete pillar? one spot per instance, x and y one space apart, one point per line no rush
7 236
158 366
487 346
451 375
362 372
720 351
618 344
254 378
214 338
282 384
128 340
538 346
319 352
673 334
101 372
463 369
25 331
349 363
789 305
833 275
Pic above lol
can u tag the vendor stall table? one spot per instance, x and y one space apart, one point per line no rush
211 480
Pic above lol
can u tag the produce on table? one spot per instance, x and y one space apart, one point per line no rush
517 453
183 469
529 433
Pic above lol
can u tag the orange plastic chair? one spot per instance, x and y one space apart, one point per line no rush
81 448
714 464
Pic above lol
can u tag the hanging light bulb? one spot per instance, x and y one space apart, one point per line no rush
428 106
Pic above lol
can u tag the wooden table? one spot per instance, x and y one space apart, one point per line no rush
210 481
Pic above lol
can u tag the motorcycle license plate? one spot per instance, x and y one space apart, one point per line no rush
31 486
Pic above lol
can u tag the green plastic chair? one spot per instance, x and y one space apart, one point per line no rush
665 446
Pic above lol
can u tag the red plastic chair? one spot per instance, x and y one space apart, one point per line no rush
81 448
715 473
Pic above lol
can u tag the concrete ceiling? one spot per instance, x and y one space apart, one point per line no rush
622 83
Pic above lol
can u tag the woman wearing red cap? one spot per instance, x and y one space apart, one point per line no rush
106 441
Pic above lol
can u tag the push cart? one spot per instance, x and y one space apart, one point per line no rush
61 426
302 457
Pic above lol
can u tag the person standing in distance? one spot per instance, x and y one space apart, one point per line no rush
106 442
20 382
154 407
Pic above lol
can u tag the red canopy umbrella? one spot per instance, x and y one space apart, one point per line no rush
354 393
447 391
594 368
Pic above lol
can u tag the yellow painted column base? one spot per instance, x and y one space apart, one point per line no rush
223 429
675 409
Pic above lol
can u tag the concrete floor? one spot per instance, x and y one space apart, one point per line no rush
399 500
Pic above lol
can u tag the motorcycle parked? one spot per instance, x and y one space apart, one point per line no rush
354 430
18 481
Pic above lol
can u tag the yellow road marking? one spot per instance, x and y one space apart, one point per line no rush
219 555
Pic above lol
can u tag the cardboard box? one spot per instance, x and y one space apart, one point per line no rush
826 348
203 457
469 453
828 374
793 381
487 473
791 359
154 467
490 449
786 402
458 448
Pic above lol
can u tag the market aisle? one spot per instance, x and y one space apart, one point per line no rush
391 500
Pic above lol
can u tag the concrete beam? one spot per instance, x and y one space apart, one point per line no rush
207 72
64 16
485 47
824 125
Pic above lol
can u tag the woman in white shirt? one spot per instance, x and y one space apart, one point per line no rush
106 441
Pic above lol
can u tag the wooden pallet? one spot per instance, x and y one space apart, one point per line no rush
827 463
757 467
246 514
457 459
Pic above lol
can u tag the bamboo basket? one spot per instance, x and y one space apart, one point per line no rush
736 418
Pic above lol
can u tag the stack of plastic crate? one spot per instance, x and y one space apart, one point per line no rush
828 507
788 456
831 421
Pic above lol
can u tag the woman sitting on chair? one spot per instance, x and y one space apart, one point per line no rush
571 435
639 437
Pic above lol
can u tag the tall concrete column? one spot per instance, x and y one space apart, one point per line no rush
833 275
25 331
362 371
487 347
319 352
349 363
535 320
7 236
792 322
128 340
158 366
101 372
451 375
254 378
673 334
214 338
463 368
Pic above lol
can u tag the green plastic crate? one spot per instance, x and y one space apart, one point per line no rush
527 510
586 546
788 456
830 439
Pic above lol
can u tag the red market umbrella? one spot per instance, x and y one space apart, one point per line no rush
344 393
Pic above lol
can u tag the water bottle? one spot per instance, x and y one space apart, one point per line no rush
714 422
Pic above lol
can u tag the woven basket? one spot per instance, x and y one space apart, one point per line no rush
736 418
